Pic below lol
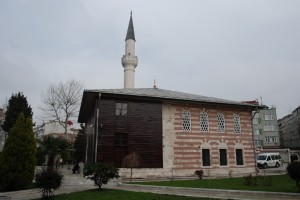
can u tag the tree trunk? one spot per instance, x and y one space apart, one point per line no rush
50 163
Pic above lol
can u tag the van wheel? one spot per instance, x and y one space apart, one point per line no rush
277 165
265 166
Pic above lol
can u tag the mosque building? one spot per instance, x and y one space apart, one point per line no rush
174 133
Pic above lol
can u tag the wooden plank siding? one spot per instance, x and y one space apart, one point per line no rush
142 126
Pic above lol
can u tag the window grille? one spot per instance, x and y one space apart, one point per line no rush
221 123
236 123
186 121
204 122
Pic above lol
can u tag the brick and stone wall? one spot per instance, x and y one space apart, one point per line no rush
182 150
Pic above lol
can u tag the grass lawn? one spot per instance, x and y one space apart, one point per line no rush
280 183
107 194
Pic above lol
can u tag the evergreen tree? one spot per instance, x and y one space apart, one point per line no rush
79 145
16 104
18 159
52 147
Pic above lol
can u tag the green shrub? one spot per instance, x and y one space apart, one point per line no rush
47 181
250 180
294 172
100 173
263 180
18 159
199 173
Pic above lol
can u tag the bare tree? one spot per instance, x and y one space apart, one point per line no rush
132 160
62 101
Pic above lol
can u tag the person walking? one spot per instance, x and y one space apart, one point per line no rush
61 162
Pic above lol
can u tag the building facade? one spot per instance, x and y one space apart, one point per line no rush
265 129
289 127
55 129
175 133
3 134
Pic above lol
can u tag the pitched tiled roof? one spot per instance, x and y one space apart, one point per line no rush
168 94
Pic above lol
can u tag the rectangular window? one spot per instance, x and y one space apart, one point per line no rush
256 132
268 117
239 157
267 140
223 157
205 157
257 143
270 139
121 139
236 123
121 109
255 120
186 121
269 128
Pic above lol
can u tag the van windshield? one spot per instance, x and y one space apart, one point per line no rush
261 157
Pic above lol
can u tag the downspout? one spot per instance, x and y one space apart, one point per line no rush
86 149
97 127
256 169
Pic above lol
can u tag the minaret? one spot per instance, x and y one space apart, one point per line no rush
129 60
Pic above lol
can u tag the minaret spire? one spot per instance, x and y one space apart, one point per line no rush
130 31
129 60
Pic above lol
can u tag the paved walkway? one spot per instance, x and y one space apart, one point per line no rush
71 183
76 182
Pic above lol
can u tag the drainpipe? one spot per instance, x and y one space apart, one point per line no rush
86 149
256 111
97 127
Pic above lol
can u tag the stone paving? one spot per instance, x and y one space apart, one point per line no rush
76 182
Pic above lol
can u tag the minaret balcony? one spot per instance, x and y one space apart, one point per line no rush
129 60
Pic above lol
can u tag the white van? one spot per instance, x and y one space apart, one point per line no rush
265 160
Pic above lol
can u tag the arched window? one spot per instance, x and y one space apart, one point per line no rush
204 122
221 123
236 123
186 121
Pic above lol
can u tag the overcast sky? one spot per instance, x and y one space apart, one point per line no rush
230 49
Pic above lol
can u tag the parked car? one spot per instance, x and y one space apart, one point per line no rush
265 160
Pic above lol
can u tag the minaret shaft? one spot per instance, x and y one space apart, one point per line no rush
129 60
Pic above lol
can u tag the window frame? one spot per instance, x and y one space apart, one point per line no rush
186 121
223 160
237 124
121 139
256 132
206 158
204 122
121 109
239 157
221 123
268 117
269 128
255 120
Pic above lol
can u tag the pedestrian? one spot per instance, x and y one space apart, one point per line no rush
61 162
76 168
56 163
